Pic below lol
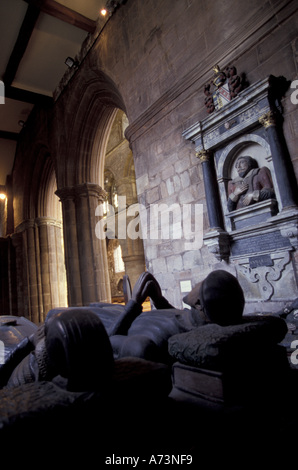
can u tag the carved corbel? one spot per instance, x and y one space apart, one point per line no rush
291 232
266 276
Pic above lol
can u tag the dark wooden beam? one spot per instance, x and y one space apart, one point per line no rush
34 8
50 7
28 96
21 44
9 135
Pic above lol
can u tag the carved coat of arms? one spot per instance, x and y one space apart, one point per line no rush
226 86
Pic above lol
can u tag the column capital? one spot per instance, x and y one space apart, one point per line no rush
65 193
37 222
16 239
203 155
25 225
42 221
82 190
268 119
90 189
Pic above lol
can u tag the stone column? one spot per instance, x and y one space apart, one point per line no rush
22 305
32 270
284 172
3 217
57 264
217 239
85 255
52 267
92 251
132 249
211 190
134 265
72 264
40 269
28 272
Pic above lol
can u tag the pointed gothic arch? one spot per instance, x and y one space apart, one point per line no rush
39 241
90 112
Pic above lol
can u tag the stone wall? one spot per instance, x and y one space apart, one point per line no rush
152 60
259 41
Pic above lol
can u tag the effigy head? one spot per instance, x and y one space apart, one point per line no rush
79 349
220 296
244 164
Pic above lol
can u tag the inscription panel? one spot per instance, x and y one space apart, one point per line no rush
261 260
259 243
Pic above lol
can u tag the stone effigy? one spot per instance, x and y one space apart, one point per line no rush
85 371
67 343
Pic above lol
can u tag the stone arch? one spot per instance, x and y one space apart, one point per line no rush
119 162
27 194
90 116
39 198
91 108
39 242
98 151
48 204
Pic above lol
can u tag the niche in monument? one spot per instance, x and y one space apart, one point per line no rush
251 191
249 195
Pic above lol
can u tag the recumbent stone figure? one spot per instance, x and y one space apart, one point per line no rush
74 342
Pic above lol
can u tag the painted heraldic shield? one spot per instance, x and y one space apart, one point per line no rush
221 96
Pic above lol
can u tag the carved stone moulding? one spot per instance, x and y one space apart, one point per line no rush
218 243
251 195
264 257
267 277
237 116
82 190
252 215
287 221
251 122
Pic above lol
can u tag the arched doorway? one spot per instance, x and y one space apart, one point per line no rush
125 256
82 140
